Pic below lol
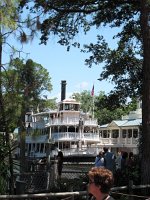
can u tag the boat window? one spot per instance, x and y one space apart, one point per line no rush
61 107
105 134
33 147
87 129
29 147
66 106
71 129
38 147
76 107
42 148
72 107
129 133
115 133
124 133
100 134
29 118
135 133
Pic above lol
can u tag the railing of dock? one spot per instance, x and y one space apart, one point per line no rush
115 192
39 183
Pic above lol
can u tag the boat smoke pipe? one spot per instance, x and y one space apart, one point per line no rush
63 90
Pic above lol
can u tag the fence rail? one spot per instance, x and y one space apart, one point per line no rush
71 195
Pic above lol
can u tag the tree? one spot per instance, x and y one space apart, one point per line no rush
28 81
47 104
8 17
127 65
11 24
103 109
105 112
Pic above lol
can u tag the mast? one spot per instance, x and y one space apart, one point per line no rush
92 94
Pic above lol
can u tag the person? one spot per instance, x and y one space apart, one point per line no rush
124 168
118 161
131 166
117 174
124 161
59 163
42 163
109 159
100 183
130 160
99 160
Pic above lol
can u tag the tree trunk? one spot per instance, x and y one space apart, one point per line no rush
145 145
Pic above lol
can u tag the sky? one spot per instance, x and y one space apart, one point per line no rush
69 66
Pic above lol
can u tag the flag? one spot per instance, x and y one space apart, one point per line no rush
45 96
92 92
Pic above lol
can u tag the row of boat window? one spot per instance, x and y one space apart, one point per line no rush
69 107
126 133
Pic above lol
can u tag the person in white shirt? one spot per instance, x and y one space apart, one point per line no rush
99 160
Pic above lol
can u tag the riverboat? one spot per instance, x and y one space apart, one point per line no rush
67 129
76 133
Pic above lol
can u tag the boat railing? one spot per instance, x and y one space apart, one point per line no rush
65 121
81 151
71 121
75 136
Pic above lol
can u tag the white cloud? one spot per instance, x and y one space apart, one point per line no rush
79 88
82 86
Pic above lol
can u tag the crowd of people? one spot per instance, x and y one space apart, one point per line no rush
121 165
109 170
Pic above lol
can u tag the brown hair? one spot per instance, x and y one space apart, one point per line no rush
102 177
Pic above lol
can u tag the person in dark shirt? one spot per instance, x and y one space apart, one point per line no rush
59 163
109 159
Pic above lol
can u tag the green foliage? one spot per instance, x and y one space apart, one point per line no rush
26 82
47 103
4 166
105 109
122 65
22 85
8 13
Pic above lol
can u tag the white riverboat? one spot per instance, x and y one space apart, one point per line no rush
77 133
66 128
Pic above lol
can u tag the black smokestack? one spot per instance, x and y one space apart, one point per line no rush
63 90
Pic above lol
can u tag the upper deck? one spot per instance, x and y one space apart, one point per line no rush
67 113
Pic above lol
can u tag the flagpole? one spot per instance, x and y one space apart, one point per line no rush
93 108
92 94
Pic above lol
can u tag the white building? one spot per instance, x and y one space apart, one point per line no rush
122 134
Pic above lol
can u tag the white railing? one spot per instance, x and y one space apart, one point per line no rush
119 141
72 136
90 136
64 121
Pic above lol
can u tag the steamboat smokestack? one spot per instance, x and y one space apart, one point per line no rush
63 90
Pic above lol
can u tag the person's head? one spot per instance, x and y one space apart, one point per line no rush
105 149
131 155
100 181
60 153
100 154
125 155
